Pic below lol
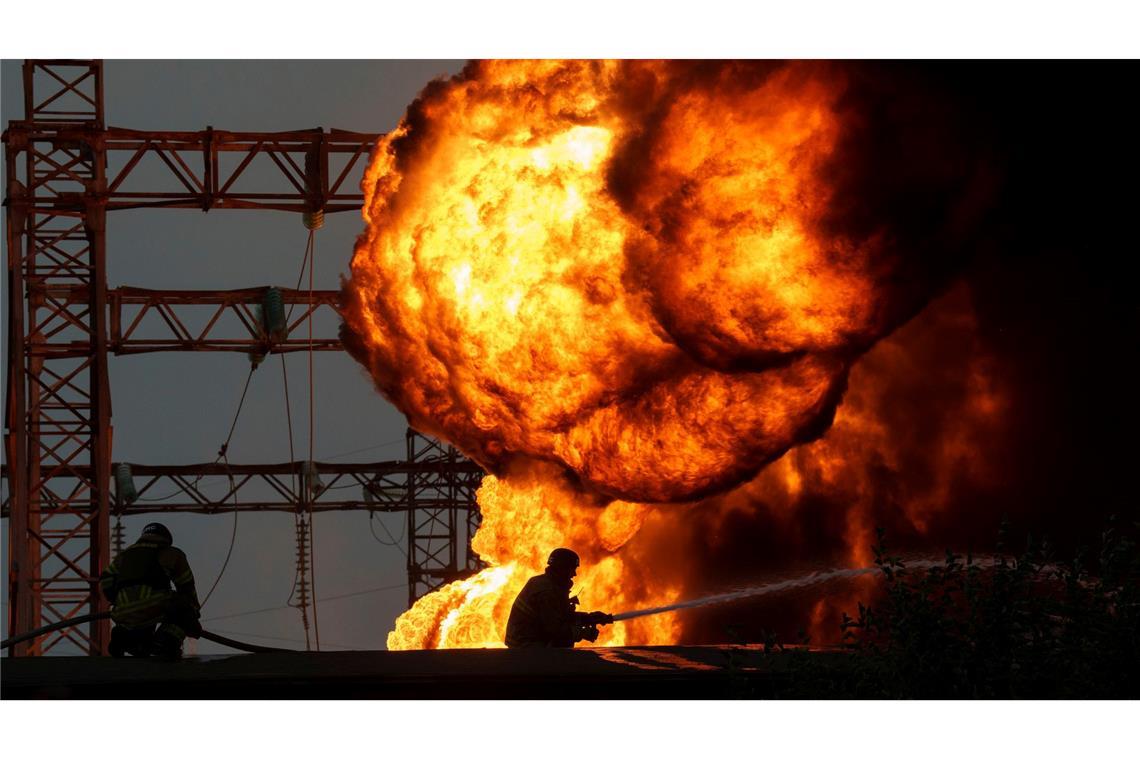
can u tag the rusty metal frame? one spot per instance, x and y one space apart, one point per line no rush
58 412
191 171
69 75
134 310
437 485
63 323
217 487
199 180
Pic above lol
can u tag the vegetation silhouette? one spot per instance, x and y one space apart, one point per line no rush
1029 627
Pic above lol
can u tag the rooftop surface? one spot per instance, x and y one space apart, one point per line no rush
676 672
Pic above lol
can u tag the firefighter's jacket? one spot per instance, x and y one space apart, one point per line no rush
138 583
544 616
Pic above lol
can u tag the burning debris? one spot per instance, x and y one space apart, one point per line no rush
625 287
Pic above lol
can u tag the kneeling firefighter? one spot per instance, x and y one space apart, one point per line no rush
151 618
543 614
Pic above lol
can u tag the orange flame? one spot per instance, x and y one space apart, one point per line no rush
524 515
614 285
870 460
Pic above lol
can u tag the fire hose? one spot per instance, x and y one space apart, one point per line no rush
217 639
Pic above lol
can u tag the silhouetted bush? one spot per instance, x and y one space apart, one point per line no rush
1031 627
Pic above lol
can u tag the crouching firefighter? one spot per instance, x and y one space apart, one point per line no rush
543 614
151 618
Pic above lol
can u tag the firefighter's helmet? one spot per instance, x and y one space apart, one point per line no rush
563 559
158 530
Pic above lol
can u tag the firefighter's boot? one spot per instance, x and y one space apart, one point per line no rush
117 647
168 643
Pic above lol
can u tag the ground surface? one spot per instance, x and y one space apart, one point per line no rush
606 673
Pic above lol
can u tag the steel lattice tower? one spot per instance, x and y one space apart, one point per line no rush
64 323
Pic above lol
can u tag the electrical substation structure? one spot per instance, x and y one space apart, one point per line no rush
67 173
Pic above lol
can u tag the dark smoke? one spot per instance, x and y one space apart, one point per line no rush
914 167
1057 324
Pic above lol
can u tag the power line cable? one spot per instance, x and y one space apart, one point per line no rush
299 484
340 488
222 451
233 534
170 495
312 438
384 445
300 278
292 454
398 543
325 599
241 402
233 489
289 405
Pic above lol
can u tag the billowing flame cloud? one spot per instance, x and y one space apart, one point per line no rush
916 448
653 276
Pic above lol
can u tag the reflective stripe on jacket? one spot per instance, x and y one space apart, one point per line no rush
138 582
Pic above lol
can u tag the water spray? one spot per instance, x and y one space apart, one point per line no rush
802 581
768 588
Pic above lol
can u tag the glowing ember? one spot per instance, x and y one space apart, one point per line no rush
609 280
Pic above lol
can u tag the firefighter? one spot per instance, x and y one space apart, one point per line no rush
543 614
151 618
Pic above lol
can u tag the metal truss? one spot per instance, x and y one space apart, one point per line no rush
65 171
58 411
144 321
303 170
214 488
437 484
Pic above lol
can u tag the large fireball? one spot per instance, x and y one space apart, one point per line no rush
653 276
